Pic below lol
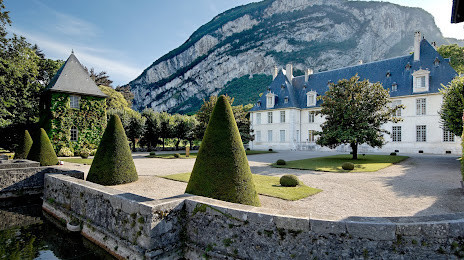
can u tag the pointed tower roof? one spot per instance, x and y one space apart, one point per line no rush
72 78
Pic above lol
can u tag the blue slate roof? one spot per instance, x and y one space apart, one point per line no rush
400 70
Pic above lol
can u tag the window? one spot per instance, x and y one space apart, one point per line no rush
258 118
286 100
394 104
269 117
420 106
421 133
448 136
258 136
394 87
74 134
311 138
311 98
282 136
311 117
420 81
396 134
282 116
270 100
269 136
74 101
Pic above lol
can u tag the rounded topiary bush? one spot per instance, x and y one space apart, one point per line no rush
281 162
177 155
270 150
347 166
24 146
42 150
113 163
221 170
84 153
65 152
152 153
289 180
393 154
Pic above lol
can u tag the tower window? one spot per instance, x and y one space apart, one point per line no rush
74 134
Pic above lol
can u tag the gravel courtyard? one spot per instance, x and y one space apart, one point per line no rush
421 185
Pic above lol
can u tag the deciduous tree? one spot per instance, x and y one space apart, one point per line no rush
453 105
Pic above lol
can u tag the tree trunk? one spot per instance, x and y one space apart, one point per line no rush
354 147
133 145
163 144
177 144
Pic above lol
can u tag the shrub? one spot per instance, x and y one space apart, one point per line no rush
152 153
65 152
93 152
84 153
24 147
248 149
347 166
221 170
281 162
113 163
176 155
270 150
392 154
42 150
289 180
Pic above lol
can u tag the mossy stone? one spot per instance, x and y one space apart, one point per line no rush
42 150
113 163
24 147
221 170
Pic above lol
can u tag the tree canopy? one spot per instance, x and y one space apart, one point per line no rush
355 111
115 99
452 108
456 55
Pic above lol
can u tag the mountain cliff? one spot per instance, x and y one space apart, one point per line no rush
252 39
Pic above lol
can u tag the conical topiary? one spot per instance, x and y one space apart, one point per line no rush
221 170
42 150
24 146
113 163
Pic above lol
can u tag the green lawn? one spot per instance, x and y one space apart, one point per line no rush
265 185
367 163
194 155
78 160
251 152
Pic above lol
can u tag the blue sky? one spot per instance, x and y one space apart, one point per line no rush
125 37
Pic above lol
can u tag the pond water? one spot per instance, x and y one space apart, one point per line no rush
28 233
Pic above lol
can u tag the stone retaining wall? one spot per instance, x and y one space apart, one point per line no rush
196 228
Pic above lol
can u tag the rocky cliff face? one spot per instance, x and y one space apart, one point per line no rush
252 39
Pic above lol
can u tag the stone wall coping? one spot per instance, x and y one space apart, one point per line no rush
245 212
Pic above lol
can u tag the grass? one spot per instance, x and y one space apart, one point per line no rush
194 155
366 163
87 161
265 185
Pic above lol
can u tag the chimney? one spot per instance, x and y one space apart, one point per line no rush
307 73
417 40
289 72
360 62
275 72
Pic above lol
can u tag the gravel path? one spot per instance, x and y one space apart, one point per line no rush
421 185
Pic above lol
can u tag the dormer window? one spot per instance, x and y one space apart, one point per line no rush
436 62
286 100
388 74
282 86
74 101
258 104
408 66
311 98
270 100
394 87
268 90
421 80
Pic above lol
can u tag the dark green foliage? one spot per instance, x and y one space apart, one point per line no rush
281 162
456 55
84 153
270 150
24 147
152 153
355 112
462 156
42 150
348 166
221 169
453 105
393 154
113 163
289 180
246 89
177 155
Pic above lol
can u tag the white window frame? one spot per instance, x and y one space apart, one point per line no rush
74 101
394 104
448 136
74 134
421 106
311 136
396 133
258 118
421 81
258 136
282 136
270 100
421 133
311 116
311 98
269 117
269 136
282 116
